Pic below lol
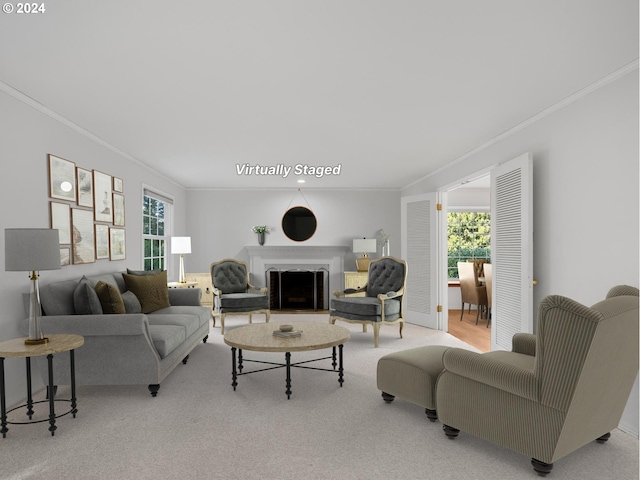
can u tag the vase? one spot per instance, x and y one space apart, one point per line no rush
261 238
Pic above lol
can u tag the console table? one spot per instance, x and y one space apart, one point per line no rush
17 348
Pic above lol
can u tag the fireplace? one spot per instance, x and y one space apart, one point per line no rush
296 289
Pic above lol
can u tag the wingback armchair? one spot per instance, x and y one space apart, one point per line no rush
384 300
554 392
233 293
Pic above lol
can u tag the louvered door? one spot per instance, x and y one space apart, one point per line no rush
512 250
419 247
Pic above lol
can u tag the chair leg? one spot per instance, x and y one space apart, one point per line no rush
462 311
364 328
250 318
222 323
604 438
431 414
450 432
477 313
387 397
541 468
268 315
401 327
376 332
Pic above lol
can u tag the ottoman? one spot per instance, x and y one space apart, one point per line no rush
411 375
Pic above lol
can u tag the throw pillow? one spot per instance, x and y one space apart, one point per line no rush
151 290
131 302
143 272
110 298
85 299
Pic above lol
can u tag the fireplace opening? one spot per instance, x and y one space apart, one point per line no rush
296 290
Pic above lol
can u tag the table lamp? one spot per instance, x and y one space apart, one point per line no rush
181 245
364 246
32 250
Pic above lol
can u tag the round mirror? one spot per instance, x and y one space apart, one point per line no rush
299 224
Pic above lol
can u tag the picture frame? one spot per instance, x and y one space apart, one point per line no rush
118 185
117 243
83 236
102 241
62 178
65 256
118 209
84 181
60 218
102 197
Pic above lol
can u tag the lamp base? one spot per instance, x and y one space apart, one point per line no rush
36 341
362 264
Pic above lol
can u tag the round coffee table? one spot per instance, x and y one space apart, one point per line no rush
260 338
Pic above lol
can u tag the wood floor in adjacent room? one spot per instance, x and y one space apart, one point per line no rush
466 330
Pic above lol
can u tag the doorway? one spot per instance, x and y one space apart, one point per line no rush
467 211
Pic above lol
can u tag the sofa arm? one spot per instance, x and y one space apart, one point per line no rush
492 372
524 343
92 325
185 296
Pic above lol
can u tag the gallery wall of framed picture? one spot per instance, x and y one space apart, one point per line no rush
88 209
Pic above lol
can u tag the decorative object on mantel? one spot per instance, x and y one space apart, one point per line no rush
32 250
181 245
384 240
299 223
364 246
260 230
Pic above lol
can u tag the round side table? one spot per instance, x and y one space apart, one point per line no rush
17 348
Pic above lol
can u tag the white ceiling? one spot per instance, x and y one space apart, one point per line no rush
389 90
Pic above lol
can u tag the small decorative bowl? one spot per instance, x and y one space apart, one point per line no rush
286 328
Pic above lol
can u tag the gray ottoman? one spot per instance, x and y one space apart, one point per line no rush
411 375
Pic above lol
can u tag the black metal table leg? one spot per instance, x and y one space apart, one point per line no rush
340 369
333 357
240 360
3 402
72 363
234 375
29 390
52 408
287 356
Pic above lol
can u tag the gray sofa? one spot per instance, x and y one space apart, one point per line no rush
132 348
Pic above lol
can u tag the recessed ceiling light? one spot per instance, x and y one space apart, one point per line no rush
301 181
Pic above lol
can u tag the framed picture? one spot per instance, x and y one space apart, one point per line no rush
65 256
102 199
117 243
117 184
118 209
61 219
102 241
62 178
83 241
85 187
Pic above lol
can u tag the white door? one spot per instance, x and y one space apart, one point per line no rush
512 250
419 248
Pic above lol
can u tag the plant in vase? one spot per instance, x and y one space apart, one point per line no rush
261 230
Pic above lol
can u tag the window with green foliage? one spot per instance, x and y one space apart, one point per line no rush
155 232
469 237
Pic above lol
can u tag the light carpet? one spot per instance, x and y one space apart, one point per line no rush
199 428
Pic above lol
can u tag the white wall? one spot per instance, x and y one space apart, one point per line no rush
585 196
26 137
220 221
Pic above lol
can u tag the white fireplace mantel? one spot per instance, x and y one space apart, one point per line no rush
331 258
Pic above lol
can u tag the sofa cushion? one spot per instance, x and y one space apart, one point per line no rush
85 298
151 290
201 315
166 338
110 298
131 302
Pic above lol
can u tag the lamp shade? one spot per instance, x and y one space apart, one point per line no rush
180 244
364 245
31 249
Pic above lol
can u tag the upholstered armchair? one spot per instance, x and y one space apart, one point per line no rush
233 293
383 303
554 392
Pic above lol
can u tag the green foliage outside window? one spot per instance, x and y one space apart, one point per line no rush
153 230
469 238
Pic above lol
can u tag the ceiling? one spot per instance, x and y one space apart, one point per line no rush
388 91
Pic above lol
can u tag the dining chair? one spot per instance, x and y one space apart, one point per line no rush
470 289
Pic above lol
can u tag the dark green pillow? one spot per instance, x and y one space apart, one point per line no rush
151 290
110 298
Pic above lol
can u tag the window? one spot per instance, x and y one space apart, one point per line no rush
156 211
469 237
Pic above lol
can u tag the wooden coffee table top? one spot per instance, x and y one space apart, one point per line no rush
259 337
56 344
